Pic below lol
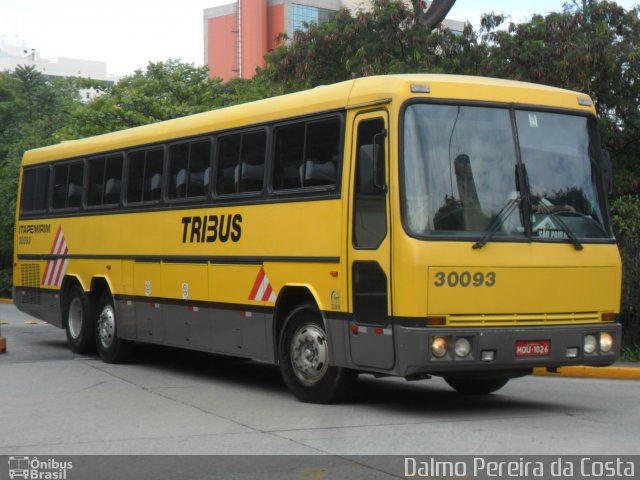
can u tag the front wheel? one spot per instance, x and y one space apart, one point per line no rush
304 360
111 348
476 386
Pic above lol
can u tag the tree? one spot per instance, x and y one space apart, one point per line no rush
164 90
32 108
389 38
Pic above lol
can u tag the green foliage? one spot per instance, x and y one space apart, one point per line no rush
625 214
386 39
630 353
31 110
162 91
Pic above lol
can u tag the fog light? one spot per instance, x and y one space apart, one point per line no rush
572 352
606 342
488 355
462 347
590 343
439 347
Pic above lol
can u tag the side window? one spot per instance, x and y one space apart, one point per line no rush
112 180
96 181
241 160
67 185
306 154
189 169
105 180
74 190
35 187
288 157
228 155
321 153
60 174
370 213
146 168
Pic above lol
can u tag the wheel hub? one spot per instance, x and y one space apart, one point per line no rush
106 326
309 354
74 319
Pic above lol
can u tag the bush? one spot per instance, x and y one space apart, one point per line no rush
625 212
6 282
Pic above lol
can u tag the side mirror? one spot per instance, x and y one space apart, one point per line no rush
607 171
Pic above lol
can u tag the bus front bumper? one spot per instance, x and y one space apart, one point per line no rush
504 349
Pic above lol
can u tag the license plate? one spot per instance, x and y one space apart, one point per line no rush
533 348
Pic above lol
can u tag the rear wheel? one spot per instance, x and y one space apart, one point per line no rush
304 360
476 386
111 348
78 314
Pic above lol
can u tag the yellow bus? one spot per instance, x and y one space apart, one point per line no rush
408 225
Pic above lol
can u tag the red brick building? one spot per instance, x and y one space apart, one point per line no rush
238 35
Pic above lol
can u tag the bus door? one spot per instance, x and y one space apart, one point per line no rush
370 329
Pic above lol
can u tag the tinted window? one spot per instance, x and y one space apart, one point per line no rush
306 154
35 186
241 160
67 185
146 168
95 188
189 169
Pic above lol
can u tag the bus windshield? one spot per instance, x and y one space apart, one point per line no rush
460 177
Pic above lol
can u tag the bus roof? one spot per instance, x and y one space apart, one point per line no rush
343 95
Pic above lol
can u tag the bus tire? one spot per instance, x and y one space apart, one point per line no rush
476 386
110 348
304 360
78 314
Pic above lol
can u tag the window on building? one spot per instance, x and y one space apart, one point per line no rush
303 15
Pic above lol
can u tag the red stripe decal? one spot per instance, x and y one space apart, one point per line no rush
256 284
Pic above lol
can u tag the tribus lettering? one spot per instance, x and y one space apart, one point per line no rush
212 228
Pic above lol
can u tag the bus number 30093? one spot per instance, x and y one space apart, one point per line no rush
465 279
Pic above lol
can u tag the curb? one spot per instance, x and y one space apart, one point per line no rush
620 373
6 300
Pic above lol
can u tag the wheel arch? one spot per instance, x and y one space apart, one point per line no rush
100 284
290 298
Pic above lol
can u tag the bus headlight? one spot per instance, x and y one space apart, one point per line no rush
606 342
590 344
439 347
462 347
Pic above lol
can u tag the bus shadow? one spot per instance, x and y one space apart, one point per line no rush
391 395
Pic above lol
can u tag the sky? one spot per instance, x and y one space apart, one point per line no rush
127 34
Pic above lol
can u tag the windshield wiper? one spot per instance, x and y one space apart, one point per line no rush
497 222
566 229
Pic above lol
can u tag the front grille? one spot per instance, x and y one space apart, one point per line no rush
505 320
30 280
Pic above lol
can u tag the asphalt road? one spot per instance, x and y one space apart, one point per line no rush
169 401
